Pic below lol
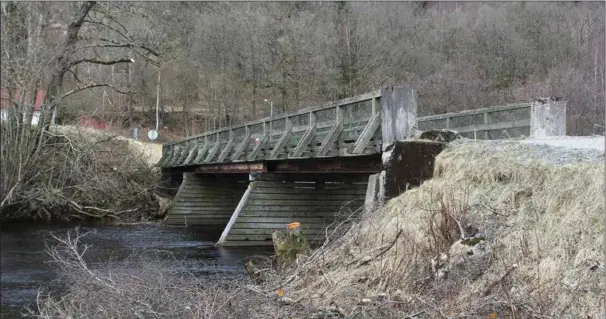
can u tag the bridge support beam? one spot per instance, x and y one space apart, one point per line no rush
275 200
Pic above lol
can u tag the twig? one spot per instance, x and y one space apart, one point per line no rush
391 244
433 307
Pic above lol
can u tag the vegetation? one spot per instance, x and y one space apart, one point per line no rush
515 240
83 174
215 63
209 64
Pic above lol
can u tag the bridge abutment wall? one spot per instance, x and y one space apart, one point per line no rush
205 199
317 201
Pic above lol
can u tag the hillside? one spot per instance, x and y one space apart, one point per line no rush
531 222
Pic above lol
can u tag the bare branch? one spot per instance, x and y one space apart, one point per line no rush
90 86
142 46
99 61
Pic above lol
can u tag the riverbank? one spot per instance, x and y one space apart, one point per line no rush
502 230
82 174
501 227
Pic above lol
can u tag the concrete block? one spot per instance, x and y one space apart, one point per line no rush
548 117
398 113
407 164
372 193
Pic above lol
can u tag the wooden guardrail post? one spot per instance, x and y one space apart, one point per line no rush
547 117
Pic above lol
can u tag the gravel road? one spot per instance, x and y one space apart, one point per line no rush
559 151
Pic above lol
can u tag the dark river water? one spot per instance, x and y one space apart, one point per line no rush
25 268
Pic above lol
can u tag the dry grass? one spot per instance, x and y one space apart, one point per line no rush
151 152
147 285
543 226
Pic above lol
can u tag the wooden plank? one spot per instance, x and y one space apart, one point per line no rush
491 109
306 191
201 153
189 222
183 155
330 139
304 142
241 147
189 193
214 192
190 205
496 126
286 214
212 153
225 151
286 202
281 143
304 197
174 155
367 134
375 105
201 201
201 216
284 220
312 186
253 155
278 208
233 218
204 215
191 155
268 231
259 226
239 243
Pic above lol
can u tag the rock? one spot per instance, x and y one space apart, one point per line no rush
254 272
467 256
286 300
365 301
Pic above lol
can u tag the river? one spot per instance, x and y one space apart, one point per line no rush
25 268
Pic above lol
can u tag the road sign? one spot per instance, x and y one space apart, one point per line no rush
152 134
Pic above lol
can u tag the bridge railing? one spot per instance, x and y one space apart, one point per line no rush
348 127
495 122
354 127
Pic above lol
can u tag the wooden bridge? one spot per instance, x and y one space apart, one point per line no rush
313 165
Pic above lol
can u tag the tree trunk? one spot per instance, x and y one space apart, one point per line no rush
158 96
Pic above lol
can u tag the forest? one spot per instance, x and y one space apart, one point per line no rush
211 64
